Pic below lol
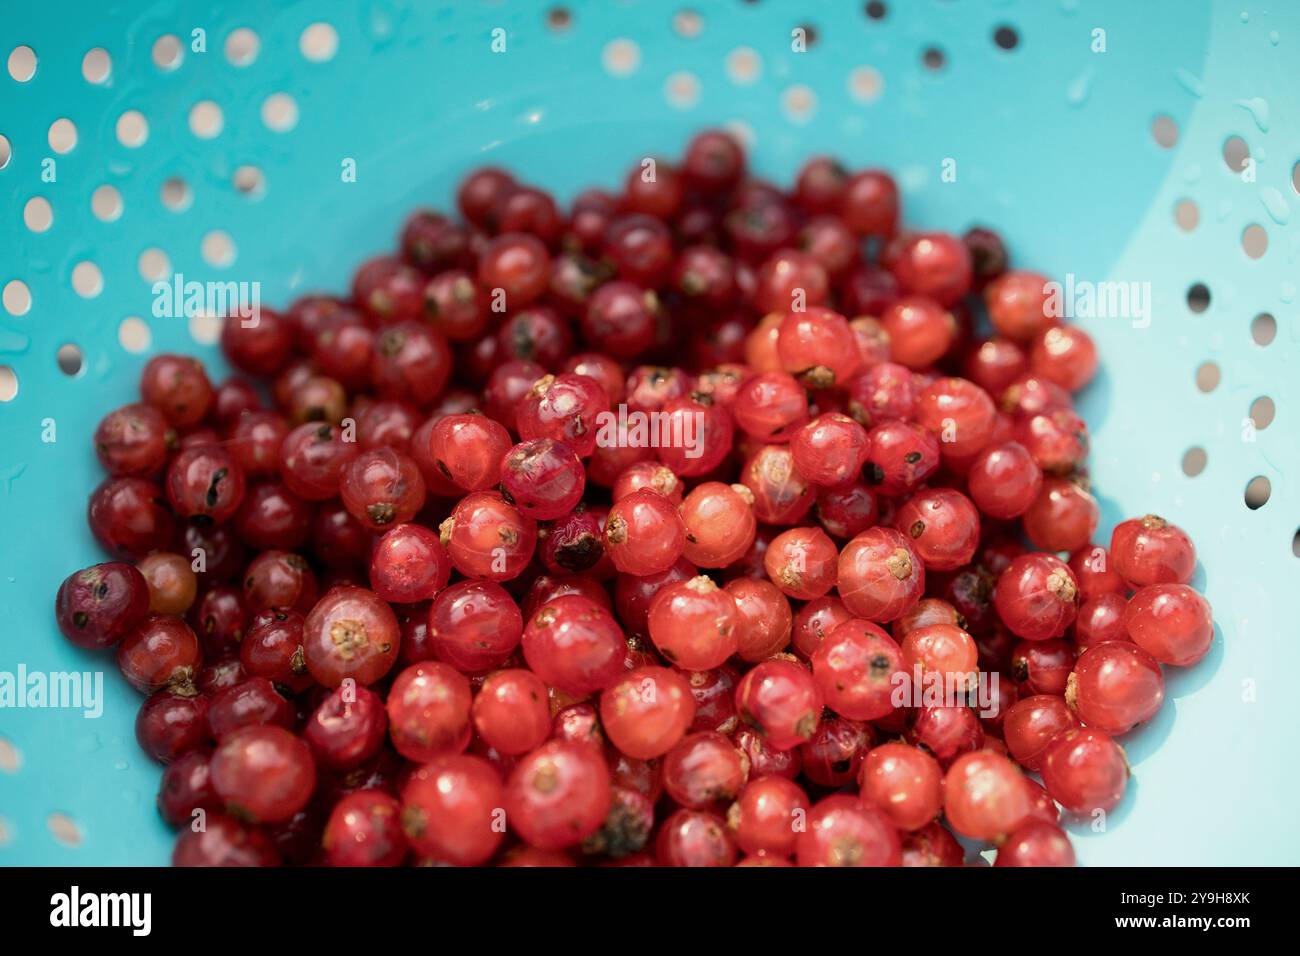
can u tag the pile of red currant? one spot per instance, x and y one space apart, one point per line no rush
397 591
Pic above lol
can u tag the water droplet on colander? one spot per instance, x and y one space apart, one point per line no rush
1257 107
1274 38
1076 94
1272 199
1190 82
121 765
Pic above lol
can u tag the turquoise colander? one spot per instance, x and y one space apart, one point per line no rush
1152 144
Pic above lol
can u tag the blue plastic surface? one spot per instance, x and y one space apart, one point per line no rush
1052 143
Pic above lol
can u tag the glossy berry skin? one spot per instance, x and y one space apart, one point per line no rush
621 319
842 831
763 818
272 517
160 651
224 841
1036 596
252 702
279 579
563 408
802 563
1032 723
347 728
932 845
1063 517
781 700
467 450
880 576
763 618
381 487
365 829
816 345
941 649
558 795
947 732
206 483
882 393
1095 573
409 564
1064 355
1004 480
350 633
172 723
985 796
429 711
574 644
1036 843
870 203
814 621
132 441
833 757
187 786
647 711
902 456
1018 305
644 533
98 606
959 413
634 595
920 331
487 537
312 458
1171 622
1042 667
543 478
1084 771
694 838
764 760
781 496
178 387
771 406
1115 686
904 782
510 711
450 810
830 450
263 773
719 523
854 667
575 543
1150 550
704 770
1101 619
943 526
474 625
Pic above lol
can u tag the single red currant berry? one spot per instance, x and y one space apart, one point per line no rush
205 482
848 511
365 829
766 816
934 264
1065 355
263 773
453 810
932 845
510 711
381 487
647 711
347 728
279 579
1063 517
902 456
942 649
187 786
542 478
694 838
780 699
350 633
558 795
904 782
252 702
518 265
1032 723
132 441
763 621
854 667
814 621
1085 771
467 450
159 652
1150 550
816 345
1042 667
272 517
224 841
781 495
706 429
1004 480
1115 687
1171 622
564 408
98 606
834 755
172 723
694 624
311 459
644 533
959 413
272 648
1036 596
719 522
622 319
704 770
920 330
575 644
802 562
880 575
487 537
771 406
1019 305
943 525
984 796
1101 619
946 732
409 564
428 711
830 450
842 831
178 387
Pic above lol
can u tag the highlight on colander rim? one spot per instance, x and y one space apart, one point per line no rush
651 434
